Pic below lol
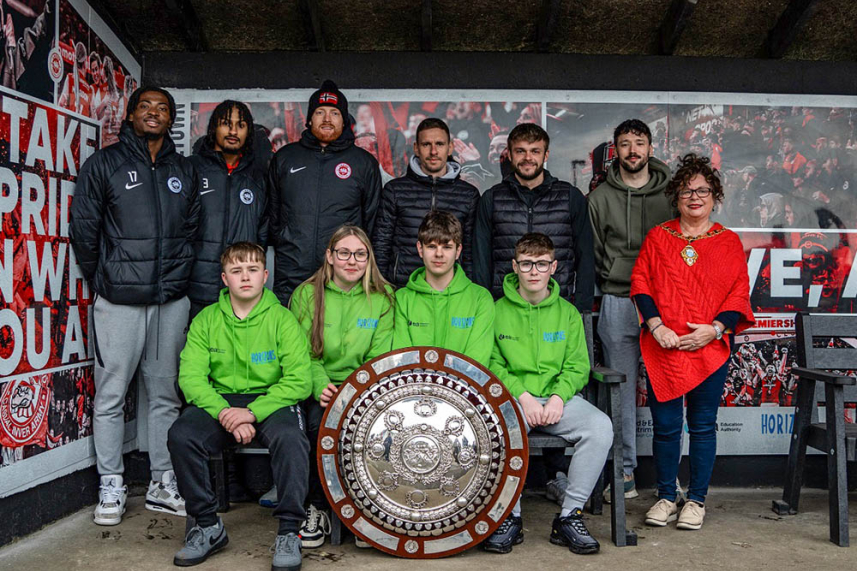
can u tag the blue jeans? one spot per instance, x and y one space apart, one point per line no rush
667 422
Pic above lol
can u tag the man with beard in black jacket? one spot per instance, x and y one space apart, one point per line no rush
134 219
433 182
315 186
531 200
232 196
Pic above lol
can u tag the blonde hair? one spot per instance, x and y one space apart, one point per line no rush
373 282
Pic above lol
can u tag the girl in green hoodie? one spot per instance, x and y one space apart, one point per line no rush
351 323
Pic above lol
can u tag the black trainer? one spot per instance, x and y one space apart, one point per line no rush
510 532
571 532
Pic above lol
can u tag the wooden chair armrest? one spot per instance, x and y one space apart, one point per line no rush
823 376
607 376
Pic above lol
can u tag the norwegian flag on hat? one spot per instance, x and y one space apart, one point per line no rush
329 98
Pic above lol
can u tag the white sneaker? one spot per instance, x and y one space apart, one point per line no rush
315 527
111 501
164 496
360 544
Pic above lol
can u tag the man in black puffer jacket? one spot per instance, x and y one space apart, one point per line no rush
232 193
433 182
134 219
531 200
315 186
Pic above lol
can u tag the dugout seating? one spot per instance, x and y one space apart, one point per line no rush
602 391
837 439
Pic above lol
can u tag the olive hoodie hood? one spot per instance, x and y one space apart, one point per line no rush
621 217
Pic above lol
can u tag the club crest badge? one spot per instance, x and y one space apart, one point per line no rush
343 170
174 184
246 196
24 411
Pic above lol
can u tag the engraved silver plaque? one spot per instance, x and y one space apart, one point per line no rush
420 453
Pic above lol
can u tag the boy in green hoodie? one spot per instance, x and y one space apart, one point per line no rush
440 306
540 355
243 371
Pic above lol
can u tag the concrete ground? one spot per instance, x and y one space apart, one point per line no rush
741 532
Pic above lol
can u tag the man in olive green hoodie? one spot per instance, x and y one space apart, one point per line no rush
440 306
540 355
622 210
243 370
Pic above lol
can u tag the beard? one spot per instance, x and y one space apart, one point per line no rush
326 136
630 168
539 170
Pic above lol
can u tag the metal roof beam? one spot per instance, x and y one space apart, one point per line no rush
674 24
312 23
425 30
192 27
788 26
548 16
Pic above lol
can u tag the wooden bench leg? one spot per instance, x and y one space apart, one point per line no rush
797 450
837 481
620 534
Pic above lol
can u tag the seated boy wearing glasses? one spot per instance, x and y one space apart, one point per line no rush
540 355
440 306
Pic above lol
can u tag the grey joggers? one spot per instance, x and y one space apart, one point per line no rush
128 337
591 432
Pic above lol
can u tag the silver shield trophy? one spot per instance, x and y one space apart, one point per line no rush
422 452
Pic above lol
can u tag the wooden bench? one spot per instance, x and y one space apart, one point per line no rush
602 391
834 436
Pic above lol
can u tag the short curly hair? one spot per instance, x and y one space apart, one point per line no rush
690 166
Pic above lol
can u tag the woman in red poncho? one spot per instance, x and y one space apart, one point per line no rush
692 291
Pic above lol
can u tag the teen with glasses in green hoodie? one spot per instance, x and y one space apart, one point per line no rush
350 324
244 371
440 306
540 355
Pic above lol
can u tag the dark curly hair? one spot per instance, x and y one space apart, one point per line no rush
222 114
692 165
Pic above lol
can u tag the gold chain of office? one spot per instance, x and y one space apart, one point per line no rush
688 253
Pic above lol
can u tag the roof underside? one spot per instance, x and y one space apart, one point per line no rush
809 30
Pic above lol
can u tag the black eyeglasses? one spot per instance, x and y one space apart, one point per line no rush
345 255
526 265
700 192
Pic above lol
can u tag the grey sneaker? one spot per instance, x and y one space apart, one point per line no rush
269 499
287 553
164 496
200 543
630 489
555 489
